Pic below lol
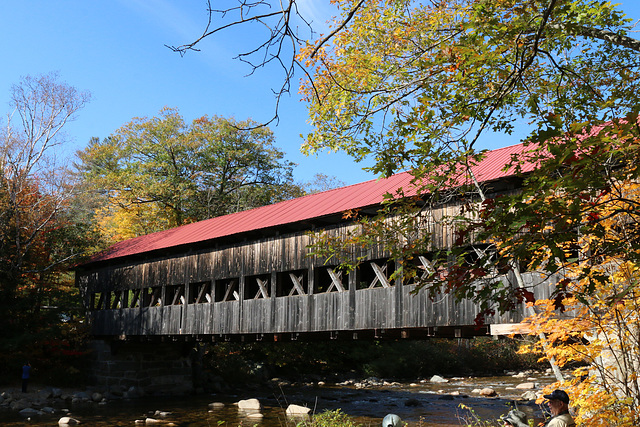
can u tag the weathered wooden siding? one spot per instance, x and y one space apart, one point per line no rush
268 286
368 309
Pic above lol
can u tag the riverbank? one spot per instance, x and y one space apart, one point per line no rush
43 399
437 397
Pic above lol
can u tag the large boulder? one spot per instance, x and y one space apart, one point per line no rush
44 394
29 412
297 410
438 379
526 386
18 405
249 405
488 392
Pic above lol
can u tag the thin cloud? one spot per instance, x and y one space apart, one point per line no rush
317 13
169 16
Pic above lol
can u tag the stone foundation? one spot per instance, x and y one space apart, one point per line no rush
142 368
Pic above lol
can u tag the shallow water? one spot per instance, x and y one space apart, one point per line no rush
420 405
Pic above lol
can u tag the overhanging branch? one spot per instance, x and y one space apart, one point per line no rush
601 34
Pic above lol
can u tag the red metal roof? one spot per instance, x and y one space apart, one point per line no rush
291 211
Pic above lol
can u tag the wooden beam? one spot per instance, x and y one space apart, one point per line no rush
509 329
336 280
231 291
380 275
427 266
262 285
116 299
100 304
203 288
297 284
177 295
135 298
155 297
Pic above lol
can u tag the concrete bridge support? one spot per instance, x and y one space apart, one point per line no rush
143 368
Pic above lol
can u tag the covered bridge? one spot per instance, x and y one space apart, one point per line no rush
249 276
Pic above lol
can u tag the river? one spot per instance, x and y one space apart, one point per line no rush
421 404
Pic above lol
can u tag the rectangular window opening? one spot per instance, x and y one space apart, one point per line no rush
330 279
200 293
175 295
257 287
226 290
290 283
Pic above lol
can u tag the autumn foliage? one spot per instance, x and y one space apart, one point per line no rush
417 85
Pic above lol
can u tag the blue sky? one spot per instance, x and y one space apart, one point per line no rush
116 51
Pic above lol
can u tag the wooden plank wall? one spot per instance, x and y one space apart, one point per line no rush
162 279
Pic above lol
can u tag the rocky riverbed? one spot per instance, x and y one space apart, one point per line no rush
434 401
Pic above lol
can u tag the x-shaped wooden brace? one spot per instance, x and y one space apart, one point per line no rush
336 280
231 291
116 299
154 298
177 297
262 288
135 299
201 293
297 284
427 266
380 276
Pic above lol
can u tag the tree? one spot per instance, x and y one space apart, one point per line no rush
159 173
416 84
322 182
36 192
592 324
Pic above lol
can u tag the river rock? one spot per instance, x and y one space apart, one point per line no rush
438 379
44 394
487 392
216 405
68 421
411 402
96 397
133 392
80 396
254 415
280 382
295 410
29 412
526 386
529 395
155 421
19 405
249 405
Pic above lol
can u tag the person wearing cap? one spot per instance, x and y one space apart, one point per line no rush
558 402
515 418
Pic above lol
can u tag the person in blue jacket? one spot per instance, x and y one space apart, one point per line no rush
26 374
